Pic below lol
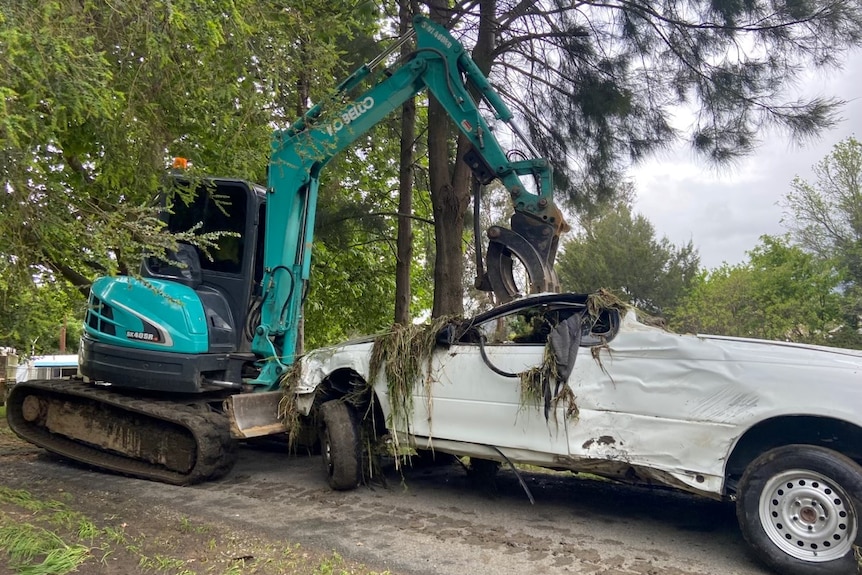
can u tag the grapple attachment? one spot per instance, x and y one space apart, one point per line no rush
532 242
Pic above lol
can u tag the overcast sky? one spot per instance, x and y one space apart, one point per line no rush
725 213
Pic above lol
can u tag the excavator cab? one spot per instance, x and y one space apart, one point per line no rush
182 327
227 274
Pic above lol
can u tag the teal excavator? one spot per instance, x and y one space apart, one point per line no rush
184 360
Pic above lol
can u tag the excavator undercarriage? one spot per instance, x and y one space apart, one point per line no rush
168 440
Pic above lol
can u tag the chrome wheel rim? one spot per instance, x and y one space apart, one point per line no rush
808 516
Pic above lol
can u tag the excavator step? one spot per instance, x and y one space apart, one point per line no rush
176 442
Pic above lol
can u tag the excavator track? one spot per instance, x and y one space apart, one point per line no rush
170 441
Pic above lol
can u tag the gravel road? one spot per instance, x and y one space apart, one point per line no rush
435 521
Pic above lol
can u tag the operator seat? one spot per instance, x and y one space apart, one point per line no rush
189 273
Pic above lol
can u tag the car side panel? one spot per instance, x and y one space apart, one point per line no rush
471 403
678 403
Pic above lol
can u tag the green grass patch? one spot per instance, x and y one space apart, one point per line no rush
24 499
43 536
187 526
33 550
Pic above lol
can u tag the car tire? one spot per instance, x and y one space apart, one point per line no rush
798 506
426 458
340 445
483 471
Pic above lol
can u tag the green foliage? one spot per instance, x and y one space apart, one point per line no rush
99 97
350 293
619 251
825 218
781 293
95 99
34 311
795 290
352 283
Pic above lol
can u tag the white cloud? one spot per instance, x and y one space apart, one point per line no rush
725 213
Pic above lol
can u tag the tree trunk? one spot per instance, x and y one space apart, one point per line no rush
404 241
450 190
449 199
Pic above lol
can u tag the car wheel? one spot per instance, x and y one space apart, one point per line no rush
798 506
339 442
426 458
483 470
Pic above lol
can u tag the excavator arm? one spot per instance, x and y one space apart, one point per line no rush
441 66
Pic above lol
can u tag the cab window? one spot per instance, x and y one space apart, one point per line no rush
221 209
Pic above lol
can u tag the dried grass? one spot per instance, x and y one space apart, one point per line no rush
603 299
288 412
567 397
535 380
596 302
536 388
403 353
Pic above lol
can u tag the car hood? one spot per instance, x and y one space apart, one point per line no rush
635 338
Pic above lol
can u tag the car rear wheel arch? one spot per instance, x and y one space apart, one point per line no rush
835 434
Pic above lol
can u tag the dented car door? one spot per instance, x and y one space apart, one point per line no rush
467 399
638 399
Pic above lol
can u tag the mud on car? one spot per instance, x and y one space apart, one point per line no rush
568 381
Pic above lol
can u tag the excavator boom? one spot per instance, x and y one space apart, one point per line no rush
441 66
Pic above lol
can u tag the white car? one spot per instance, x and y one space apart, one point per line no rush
777 427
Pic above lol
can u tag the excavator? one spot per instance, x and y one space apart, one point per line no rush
184 360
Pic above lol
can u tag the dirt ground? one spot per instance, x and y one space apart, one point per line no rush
275 514
121 535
